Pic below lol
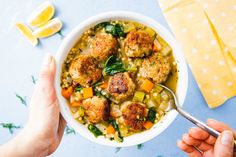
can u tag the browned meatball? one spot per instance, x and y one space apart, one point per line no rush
84 70
156 67
103 46
121 86
134 115
97 109
138 43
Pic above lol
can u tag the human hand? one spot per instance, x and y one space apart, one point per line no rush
45 127
198 139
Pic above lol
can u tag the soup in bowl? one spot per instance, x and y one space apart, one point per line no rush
108 74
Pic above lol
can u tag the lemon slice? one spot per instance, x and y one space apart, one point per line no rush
41 15
26 31
48 29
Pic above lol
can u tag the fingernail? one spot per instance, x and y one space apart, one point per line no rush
178 142
192 128
227 138
47 59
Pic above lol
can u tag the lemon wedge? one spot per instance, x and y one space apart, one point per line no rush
41 15
48 29
26 31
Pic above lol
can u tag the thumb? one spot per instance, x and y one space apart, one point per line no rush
47 72
224 144
46 79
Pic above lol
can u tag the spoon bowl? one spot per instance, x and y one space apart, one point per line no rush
188 116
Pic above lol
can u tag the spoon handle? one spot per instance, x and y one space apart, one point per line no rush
201 125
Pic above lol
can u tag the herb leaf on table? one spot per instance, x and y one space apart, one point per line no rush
34 80
139 146
117 149
69 130
22 99
10 126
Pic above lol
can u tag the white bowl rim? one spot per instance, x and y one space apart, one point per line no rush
182 84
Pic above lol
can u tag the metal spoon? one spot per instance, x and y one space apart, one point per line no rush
188 116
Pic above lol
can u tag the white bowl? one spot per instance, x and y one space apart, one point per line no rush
182 84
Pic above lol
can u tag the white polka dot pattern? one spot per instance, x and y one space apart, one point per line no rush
207 35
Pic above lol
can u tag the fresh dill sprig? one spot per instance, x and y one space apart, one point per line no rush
61 34
69 130
22 99
10 127
34 80
117 149
139 146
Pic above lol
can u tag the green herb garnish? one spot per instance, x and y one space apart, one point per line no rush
117 149
139 146
69 130
33 79
22 99
61 34
10 126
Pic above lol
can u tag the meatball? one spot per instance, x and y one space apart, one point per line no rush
138 43
84 70
120 86
134 115
96 108
156 67
103 45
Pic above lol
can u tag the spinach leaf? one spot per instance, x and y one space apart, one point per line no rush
96 132
119 30
116 127
113 65
101 25
116 30
151 115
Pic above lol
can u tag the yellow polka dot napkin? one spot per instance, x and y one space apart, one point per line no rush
206 30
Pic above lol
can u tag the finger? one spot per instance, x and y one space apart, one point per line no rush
190 140
46 79
219 126
61 127
224 144
185 147
47 71
203 146
211 140
198 137
198 133
190 150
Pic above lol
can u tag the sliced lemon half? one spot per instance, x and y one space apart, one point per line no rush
48 29
27 32
41 15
